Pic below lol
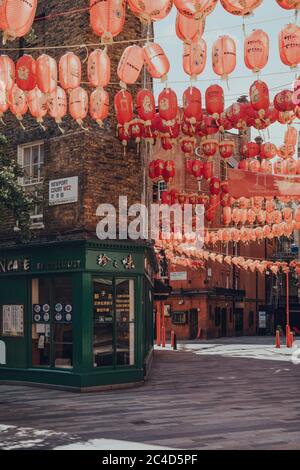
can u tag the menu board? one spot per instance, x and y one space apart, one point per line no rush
123 307
103 307
13 320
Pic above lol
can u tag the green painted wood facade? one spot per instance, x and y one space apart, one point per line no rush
79 260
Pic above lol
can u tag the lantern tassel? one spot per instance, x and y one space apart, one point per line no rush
21 123
61 129
2 122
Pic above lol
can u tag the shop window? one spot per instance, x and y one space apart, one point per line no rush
217 317
251 319
52 313
179 318
31 160
114 322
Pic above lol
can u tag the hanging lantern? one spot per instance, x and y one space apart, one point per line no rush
151 173
187 146
99 105
79 105
130 65
145 106
70 71
291 136
159 166
123 136
26 73
224 123
266 166
107 18
214 100
18 102
197 169
16 18
289 4
268 151
286 151
123 106
209 147
168 106
192 105
4 104
208 126
46 73
283 101
215 186
196 9
188 29
37 103
260 97
256 50
150 10
227 214
250 150
194 58
136 130
243 165
272 114
254 166
58 104
224 56
169 171
289 45
226 148
287 117
156 61
236 113
99 68
166 143
208 170
7 72
240 7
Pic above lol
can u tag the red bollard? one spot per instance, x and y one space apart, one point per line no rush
288 336
172 339
158 338
292 339
278 345
163 337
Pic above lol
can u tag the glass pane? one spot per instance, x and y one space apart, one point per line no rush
63 333
27 157
41 153
35 169
103 322
35 155
125 318
62 317
41 294
63 355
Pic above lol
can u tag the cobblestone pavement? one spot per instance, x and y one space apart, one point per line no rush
191 401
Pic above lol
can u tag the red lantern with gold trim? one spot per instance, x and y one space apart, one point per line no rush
168 106
7 72
145 106
192 105
209 147
214 100
215 186
197 169
260 97
250 150
26 73
208 169
169 171
268 151
283 101
123 106
226 148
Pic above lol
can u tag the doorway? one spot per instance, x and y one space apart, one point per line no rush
239 321
193 323
224 322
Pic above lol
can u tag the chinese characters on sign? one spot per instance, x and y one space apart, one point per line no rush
13 320
63 191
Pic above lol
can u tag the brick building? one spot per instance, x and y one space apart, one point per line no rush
219 300
65 268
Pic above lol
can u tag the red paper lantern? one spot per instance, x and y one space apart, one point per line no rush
194 58
166 143
152 174
145 106
37 103
260 97
243 165
283 101
188 29
254 166
208 170
192 105
250 150
123 135
58 104
289 45
226 148
46 73
150 10
208 126
256 50
130 65
7 72
268 151
99 68
156 61
16 17
99 105
187 146
168 106
214 100
224 56
18 102
70 71
197 169
215 186
26 73
136 130
289 4
286 151
123 106
79 104
107 18
209 147
169 170
240 8
4 104
195 9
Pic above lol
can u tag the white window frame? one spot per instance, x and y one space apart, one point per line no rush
36 219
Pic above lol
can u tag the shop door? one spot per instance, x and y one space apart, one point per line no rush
239 322
224 322
193 323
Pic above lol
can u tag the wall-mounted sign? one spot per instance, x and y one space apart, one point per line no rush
14 265
180 276
2 353
41 313
13 320
63 191
262 320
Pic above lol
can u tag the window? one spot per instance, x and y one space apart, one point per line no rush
31 159
114 322
158 189
217 316
52 313
251 319
179 318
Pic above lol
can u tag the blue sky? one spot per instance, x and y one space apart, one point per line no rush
269 17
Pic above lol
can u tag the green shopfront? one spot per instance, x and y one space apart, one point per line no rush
76 314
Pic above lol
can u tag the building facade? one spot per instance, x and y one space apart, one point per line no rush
75 311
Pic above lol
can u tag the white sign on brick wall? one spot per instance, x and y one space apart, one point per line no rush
178 276
63 191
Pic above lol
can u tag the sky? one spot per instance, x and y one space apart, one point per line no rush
269 17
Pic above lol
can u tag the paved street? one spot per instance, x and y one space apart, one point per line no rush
192 401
